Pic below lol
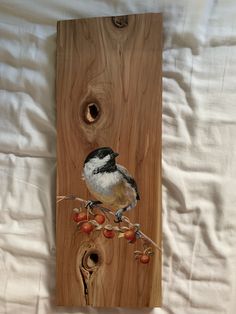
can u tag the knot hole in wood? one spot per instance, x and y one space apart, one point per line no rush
91 260
120 21
92 112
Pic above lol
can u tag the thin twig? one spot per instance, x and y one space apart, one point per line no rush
124 218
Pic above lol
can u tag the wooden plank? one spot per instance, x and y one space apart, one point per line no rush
119 70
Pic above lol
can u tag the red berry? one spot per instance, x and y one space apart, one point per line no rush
100 219
108 233
144 258
80 216
133 241
129 235
87 227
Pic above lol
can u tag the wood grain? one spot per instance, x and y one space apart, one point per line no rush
118 69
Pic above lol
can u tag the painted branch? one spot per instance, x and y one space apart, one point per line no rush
124 218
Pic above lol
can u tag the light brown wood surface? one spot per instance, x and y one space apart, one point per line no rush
118 69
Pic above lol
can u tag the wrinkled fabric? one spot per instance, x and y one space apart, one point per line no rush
199 150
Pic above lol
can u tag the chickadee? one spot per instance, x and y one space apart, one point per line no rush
109 182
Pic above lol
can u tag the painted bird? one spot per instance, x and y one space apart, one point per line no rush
109 182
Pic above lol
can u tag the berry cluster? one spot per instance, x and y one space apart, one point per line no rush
89 221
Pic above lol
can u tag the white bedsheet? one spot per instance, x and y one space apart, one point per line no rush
199 149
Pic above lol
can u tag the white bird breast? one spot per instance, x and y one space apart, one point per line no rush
101 183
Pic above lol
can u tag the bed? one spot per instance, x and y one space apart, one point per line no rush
199 150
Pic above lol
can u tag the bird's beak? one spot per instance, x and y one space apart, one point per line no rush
115 155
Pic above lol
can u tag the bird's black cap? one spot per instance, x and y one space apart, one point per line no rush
100 152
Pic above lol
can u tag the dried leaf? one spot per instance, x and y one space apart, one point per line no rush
94 222
124 228
99 227
116 228
137 226
148 251
138 252
108 227
79 224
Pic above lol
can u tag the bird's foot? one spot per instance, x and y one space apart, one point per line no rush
118 215
138 234
91 204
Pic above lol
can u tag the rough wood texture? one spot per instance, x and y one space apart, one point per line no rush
115 64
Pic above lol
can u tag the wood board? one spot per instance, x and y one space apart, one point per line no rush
109 91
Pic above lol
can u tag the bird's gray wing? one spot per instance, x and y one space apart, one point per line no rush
129 179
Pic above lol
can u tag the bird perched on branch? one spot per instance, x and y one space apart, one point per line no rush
109 182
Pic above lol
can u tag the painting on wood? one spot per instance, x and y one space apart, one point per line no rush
108 216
